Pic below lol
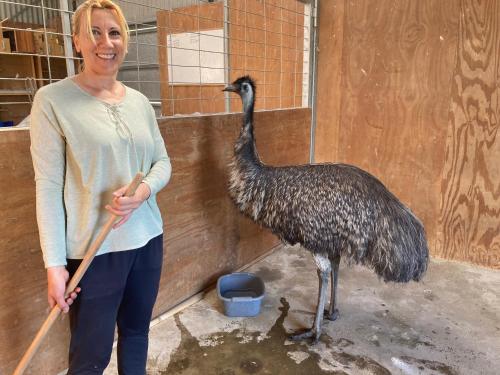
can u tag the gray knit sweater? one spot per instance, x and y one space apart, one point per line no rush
83 149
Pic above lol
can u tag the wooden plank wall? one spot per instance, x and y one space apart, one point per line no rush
205 236
266 40
415 102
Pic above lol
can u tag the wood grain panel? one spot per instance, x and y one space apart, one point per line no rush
205 236
409 91
191 99
329 80
470 196
23 282
397 60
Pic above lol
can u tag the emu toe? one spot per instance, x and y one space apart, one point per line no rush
333 316
306 334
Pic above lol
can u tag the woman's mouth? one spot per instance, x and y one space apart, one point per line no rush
106 56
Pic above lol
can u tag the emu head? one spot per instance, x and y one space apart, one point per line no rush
245 88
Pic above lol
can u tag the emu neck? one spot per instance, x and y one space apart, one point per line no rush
245 147
248 108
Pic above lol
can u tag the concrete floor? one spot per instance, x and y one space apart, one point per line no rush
448 324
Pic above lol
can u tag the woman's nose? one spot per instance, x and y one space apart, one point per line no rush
105 40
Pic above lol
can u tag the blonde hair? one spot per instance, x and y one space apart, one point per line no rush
85 10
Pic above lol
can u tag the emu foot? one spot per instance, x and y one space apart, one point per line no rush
306 334
333 316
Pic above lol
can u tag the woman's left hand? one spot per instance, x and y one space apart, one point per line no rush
124 206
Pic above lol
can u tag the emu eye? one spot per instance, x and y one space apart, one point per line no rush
245 87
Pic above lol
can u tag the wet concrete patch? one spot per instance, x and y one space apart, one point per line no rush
366 364
269 275
400 332
299 263
239 353
429 295
339 356
410 365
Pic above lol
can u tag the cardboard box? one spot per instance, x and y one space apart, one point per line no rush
4 42
5 45
55 48
39 40
55 43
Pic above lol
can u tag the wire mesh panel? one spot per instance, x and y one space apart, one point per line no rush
202 47
181 52
35 50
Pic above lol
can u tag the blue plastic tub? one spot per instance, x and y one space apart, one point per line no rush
241 293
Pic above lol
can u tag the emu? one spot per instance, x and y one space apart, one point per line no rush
332 210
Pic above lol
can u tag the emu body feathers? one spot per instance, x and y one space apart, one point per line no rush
334 209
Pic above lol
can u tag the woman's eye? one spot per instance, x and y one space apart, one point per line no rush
95 32
115 33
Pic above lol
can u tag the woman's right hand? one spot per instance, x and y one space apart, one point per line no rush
57 277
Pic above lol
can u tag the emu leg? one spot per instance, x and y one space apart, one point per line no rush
315 331
333 313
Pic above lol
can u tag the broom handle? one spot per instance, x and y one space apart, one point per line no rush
89 256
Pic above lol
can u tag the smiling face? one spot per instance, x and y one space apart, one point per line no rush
105 56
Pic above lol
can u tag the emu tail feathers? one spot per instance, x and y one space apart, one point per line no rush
399 252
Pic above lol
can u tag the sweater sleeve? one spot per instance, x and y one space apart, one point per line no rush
48 154
161 170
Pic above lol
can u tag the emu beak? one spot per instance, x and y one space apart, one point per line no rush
231 88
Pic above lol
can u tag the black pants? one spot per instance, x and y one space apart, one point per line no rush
118 288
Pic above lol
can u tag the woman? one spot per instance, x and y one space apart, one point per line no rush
89 136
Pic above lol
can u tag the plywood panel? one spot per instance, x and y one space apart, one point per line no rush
204 234
23 283
329 80
191 99
409 91
470 196
394 83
